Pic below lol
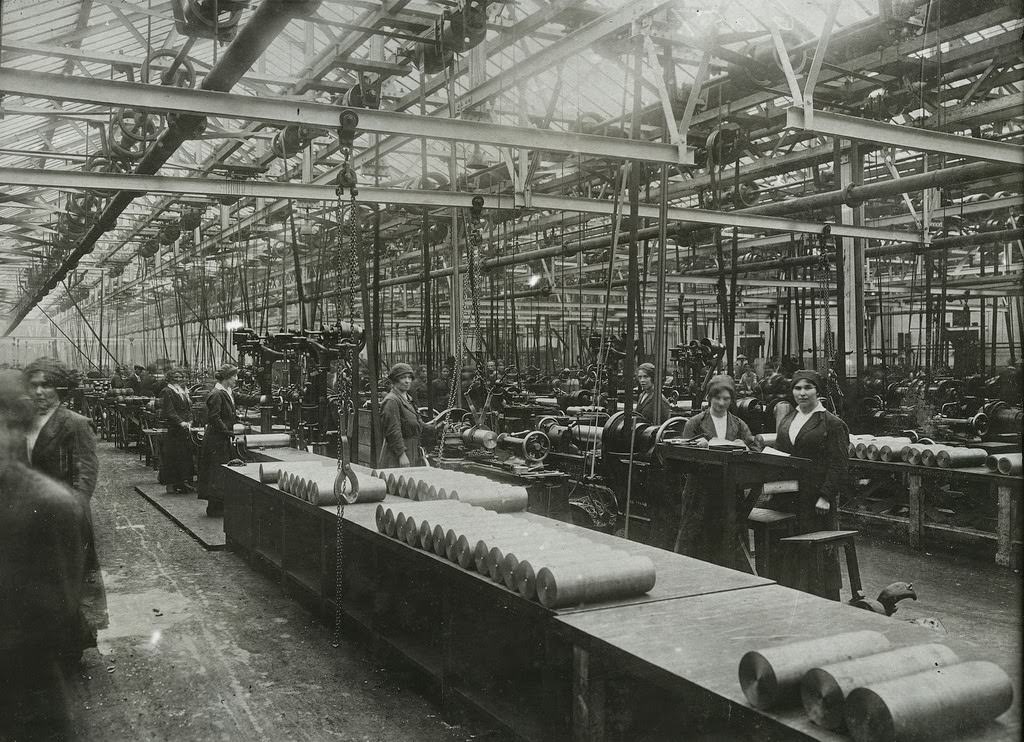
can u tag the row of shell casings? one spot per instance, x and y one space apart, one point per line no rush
322 483
540 562
921 453
428 483
858 682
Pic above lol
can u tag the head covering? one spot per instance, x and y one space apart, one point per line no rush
646 368
720 383
806 374
399 370
225 372
56 373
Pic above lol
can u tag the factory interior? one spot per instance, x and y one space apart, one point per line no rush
540 370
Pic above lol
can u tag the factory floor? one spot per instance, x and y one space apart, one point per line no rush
201 647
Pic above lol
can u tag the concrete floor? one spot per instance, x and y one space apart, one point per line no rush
200 647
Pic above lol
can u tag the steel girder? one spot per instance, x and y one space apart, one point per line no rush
282 112
138 184
851 127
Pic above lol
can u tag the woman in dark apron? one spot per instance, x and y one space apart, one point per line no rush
400 422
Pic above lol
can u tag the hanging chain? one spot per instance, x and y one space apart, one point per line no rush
825 289
347 180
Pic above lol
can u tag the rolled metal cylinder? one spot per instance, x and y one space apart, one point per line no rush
511 500
771 677
535 549
954 458
487 551
893 451
577 554
1009 464
823 690
478 543
594 581
253 441
929 454
929 705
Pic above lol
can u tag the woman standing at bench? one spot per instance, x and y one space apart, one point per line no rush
701 526
176 467
812 432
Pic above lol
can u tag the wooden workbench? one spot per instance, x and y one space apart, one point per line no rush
918 480
525 666
733 470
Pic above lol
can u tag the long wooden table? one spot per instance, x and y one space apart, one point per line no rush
1006 490
529 668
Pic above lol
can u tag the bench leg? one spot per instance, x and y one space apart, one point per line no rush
853 568
587 698
915 486
1008 549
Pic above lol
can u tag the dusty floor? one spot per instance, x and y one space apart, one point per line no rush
200 647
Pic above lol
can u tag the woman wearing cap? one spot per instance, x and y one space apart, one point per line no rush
400 422
646 399
176 458
220 424
700 527
812 432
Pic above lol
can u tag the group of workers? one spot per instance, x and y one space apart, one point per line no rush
807 430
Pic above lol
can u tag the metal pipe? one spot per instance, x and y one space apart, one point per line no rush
264 25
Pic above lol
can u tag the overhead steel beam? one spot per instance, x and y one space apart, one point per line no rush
925 140
266 22
281 112
139 183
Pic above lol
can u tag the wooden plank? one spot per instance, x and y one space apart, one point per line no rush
697 643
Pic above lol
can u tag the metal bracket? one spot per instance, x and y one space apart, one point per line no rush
819 58
787 66
895 173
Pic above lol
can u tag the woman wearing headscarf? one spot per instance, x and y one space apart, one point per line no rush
812 432
645 401
400 422
176 467
700 529
220 425
60 443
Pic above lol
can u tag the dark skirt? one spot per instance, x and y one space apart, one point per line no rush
216 450
387 460
176 465
702 521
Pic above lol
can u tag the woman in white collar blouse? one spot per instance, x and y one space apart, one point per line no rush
812 432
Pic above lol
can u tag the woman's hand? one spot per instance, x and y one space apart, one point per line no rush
701 443
822 506
185 424
403 460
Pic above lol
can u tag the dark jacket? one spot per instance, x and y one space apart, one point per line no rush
217 448
176 465
401 426
645 407
174 408
701 425
44 532
824 439
66 451
701 520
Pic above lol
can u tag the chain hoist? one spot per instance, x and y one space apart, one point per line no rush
346 181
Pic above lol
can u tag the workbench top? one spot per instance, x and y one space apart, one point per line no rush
703 638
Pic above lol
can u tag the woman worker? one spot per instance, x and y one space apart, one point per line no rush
176 466
646 399
220 424
61 445
400 422
700 530
812 432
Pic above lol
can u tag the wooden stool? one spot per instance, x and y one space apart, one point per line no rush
768 527
806 564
